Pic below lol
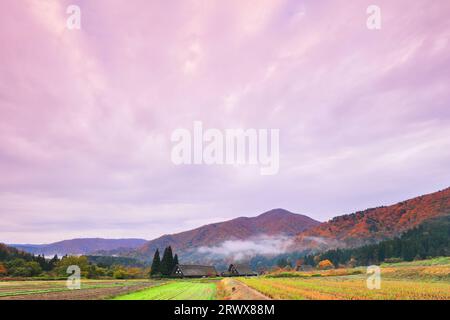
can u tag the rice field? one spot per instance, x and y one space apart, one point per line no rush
348 288
183 290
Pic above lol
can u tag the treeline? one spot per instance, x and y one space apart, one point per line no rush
430 239
110 261
163 267
16 263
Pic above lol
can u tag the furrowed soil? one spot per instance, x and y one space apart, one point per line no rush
56 290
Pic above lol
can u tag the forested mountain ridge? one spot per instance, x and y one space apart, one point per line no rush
428 240
375 224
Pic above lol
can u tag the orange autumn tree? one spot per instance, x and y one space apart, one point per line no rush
325 264
3 270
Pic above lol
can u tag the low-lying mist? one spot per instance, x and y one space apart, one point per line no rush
244 249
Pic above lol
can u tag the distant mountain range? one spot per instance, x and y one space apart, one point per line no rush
274 223
234 237
266 233
80 246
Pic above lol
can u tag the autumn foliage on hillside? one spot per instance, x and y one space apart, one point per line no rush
377 224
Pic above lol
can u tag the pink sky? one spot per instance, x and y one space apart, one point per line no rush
86 115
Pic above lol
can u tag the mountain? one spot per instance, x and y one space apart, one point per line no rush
274 232
376 224
277 222
80 246
430 239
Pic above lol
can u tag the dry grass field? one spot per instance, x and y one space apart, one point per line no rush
421 280
347 288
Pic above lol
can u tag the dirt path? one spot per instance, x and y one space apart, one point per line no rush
235 290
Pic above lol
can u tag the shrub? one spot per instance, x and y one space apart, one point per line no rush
393 260
325 265
119 274
3 270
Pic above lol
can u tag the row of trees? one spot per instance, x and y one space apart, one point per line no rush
16 263
430 239
164 266
95 271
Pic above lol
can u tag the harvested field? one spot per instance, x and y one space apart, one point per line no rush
348 288
56 290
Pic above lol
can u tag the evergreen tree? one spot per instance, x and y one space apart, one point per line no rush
42 262
167 262
282 262
156 264
175 260
53 261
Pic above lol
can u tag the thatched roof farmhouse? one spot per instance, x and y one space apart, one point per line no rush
194 271
239 270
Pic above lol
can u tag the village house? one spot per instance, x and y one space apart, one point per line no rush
236 270
194 271
301 266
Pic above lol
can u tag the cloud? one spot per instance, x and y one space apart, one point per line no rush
319 242
86 115
242 249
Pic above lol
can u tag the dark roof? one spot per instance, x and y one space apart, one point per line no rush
197 270
241 269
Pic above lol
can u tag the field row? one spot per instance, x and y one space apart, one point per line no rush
57 290
175 291
347 288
